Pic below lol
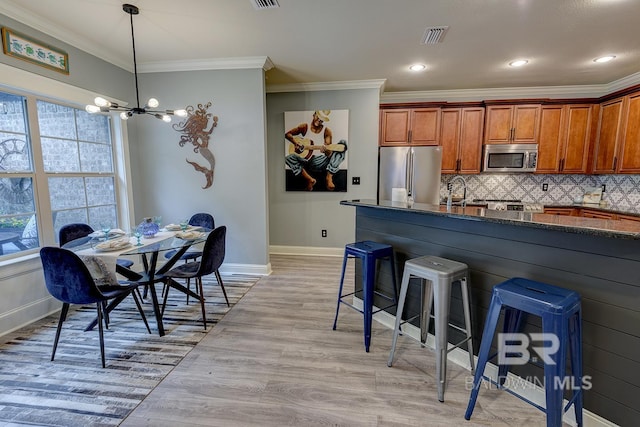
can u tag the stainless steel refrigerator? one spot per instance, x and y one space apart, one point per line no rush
415 168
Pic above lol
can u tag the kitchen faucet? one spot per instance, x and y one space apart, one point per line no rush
463 203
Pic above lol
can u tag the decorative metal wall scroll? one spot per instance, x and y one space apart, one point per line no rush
194 131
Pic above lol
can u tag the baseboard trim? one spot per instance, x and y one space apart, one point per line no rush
305 250
460 357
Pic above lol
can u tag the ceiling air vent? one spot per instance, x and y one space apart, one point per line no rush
265 4
432 35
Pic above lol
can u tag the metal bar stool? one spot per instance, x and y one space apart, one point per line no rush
442 273
560 310
369 252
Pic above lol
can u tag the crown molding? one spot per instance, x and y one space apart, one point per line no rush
319 86
577 91
263 62
624 83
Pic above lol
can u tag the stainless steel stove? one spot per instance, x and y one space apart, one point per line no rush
510 205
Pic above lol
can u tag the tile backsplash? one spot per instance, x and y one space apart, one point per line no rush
622 192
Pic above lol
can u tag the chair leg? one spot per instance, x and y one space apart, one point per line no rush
166 295
101 332
219 279
137 301
344 266
467 320
396 330
63 317
495 306
204 311
188 287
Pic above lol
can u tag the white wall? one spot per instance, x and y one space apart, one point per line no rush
297 218
164 184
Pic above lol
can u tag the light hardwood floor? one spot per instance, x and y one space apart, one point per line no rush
274 360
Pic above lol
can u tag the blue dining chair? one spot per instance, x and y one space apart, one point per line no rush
69 280
212 258
200 219
77 230
203 220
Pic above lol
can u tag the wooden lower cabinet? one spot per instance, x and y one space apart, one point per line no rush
561 211
624 217
594 213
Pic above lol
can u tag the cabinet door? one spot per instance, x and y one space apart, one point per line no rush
630 147
576 139
394 127
449 139
525 124
550 139
498 124
470 148
608 136
425 126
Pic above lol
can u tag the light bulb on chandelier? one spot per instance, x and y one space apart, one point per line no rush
103 105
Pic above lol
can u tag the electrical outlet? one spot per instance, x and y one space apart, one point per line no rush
545 187
324 233
604 188
355 180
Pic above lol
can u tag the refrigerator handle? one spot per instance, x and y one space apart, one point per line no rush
409 172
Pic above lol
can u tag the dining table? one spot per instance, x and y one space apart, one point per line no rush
148 250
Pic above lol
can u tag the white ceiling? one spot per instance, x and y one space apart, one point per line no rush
312 41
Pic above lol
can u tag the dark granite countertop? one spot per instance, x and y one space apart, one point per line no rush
570 224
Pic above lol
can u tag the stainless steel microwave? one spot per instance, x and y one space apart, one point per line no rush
512 158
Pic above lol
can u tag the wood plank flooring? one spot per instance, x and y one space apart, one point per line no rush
274 360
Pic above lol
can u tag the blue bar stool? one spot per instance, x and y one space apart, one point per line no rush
441 273
369 252
560 310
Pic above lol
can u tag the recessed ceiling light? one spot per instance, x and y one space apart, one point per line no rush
518 63
417 67
605 58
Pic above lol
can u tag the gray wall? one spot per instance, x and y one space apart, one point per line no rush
164 184
296 218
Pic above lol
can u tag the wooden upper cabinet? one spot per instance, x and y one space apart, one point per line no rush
608 136
461 139
576 138
629 161
564 138
415 126
512 124
394 127
550 139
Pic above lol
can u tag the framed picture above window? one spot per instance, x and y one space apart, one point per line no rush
28 49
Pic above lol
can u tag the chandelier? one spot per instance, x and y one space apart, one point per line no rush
104 106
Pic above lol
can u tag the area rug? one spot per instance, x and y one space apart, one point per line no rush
74 390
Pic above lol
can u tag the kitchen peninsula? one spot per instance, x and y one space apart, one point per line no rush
598 258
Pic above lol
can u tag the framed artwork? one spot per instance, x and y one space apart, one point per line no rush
315 150
31 50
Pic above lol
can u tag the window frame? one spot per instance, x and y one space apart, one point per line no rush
44 214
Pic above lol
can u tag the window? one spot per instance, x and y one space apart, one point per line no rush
18 225
78 161
76 165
